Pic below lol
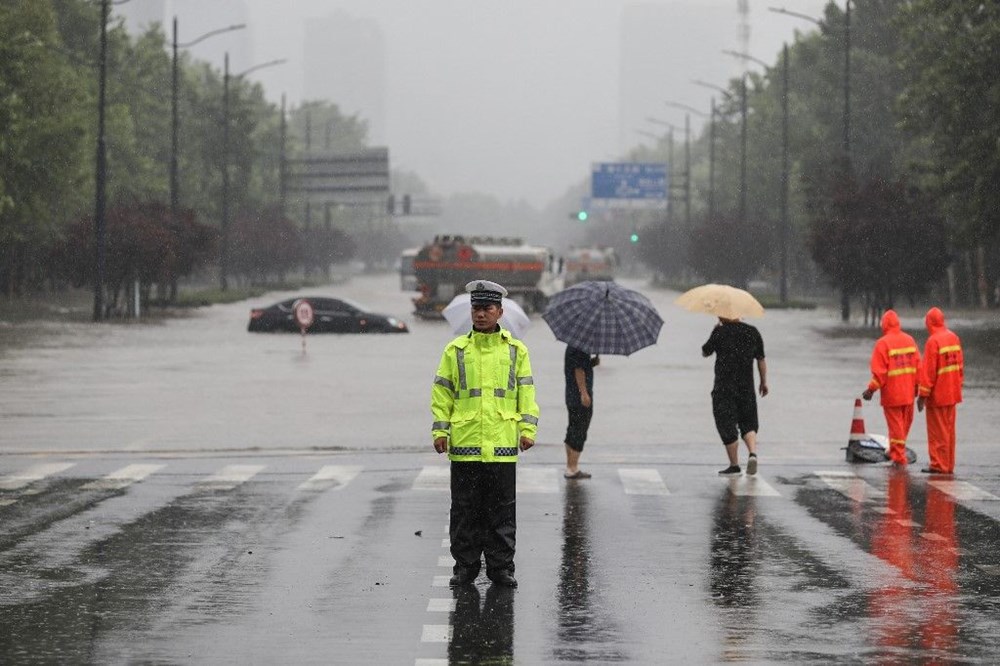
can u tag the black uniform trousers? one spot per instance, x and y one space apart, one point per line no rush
483 516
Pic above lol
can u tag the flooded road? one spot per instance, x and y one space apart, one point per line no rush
184 491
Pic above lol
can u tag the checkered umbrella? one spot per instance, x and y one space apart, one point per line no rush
603 318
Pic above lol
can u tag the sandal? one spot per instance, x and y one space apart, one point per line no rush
580 474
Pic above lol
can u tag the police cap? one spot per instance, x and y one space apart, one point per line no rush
485 291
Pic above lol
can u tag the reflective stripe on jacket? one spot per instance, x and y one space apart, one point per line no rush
483 397
943 369
895 364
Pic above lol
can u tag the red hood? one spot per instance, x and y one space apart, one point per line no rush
934 320
890 322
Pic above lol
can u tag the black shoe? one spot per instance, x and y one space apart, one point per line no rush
463 577
931 470
752 464
732 470
504 578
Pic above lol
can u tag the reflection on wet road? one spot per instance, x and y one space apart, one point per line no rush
202 557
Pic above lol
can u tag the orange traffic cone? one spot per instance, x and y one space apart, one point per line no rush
857 423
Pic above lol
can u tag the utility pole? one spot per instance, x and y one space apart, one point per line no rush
783 232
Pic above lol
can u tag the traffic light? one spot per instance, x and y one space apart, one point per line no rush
582 216
634 237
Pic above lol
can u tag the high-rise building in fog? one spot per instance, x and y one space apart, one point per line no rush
663 48
345 64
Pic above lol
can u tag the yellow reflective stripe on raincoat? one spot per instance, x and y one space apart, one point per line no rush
902 350
484 391
949 348
948 368
902 371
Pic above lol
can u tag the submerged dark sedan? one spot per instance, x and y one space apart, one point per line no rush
329 315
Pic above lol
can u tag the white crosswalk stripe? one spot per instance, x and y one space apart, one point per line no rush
642 482
122 478
433 477
229 477
436 633
962 490
850 485
751 486
18 480
537 480
331 475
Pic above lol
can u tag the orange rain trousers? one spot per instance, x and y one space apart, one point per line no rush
941 437
899 419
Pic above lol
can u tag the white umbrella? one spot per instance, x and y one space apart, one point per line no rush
459 316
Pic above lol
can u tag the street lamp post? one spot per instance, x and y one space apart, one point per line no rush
224 230
670 165
711 147
783 225
743 137
174 116
100 231
845 305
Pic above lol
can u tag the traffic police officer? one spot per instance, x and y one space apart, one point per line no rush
483 403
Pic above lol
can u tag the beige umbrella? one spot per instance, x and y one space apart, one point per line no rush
721 300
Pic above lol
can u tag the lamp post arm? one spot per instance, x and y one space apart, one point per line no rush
746 56
270 63
238 26
685 107
782 10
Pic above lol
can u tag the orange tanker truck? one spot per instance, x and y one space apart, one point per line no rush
445 265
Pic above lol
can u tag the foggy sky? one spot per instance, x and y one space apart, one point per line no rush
514 98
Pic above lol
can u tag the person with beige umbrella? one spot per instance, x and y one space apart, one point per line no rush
736 346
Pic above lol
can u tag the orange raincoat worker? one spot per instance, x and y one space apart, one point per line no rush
941 377
895 366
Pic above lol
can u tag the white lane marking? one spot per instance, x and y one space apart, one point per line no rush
230 476
883 510
330 475
433 477
906 522
446 561
992 569
754 486
430 662
441 605
446 542
932 536
122 478
642 482
535 480
962 490
440 581
7 502
436 633
32 474
849 485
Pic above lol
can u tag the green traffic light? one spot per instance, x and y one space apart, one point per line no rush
634 238
582 216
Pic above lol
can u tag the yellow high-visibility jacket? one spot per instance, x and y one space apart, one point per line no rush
483 397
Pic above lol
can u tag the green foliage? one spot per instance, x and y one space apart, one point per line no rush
727 249
880 239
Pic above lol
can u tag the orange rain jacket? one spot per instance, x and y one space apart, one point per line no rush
943 369
895 364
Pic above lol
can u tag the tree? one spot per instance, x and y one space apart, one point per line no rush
880 240
42 140
725 249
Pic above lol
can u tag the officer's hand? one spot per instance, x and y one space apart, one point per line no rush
526 443
920 403
441 444
867 395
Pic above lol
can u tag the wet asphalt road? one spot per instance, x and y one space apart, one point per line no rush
183 491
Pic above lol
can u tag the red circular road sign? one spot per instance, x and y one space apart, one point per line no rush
303 313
